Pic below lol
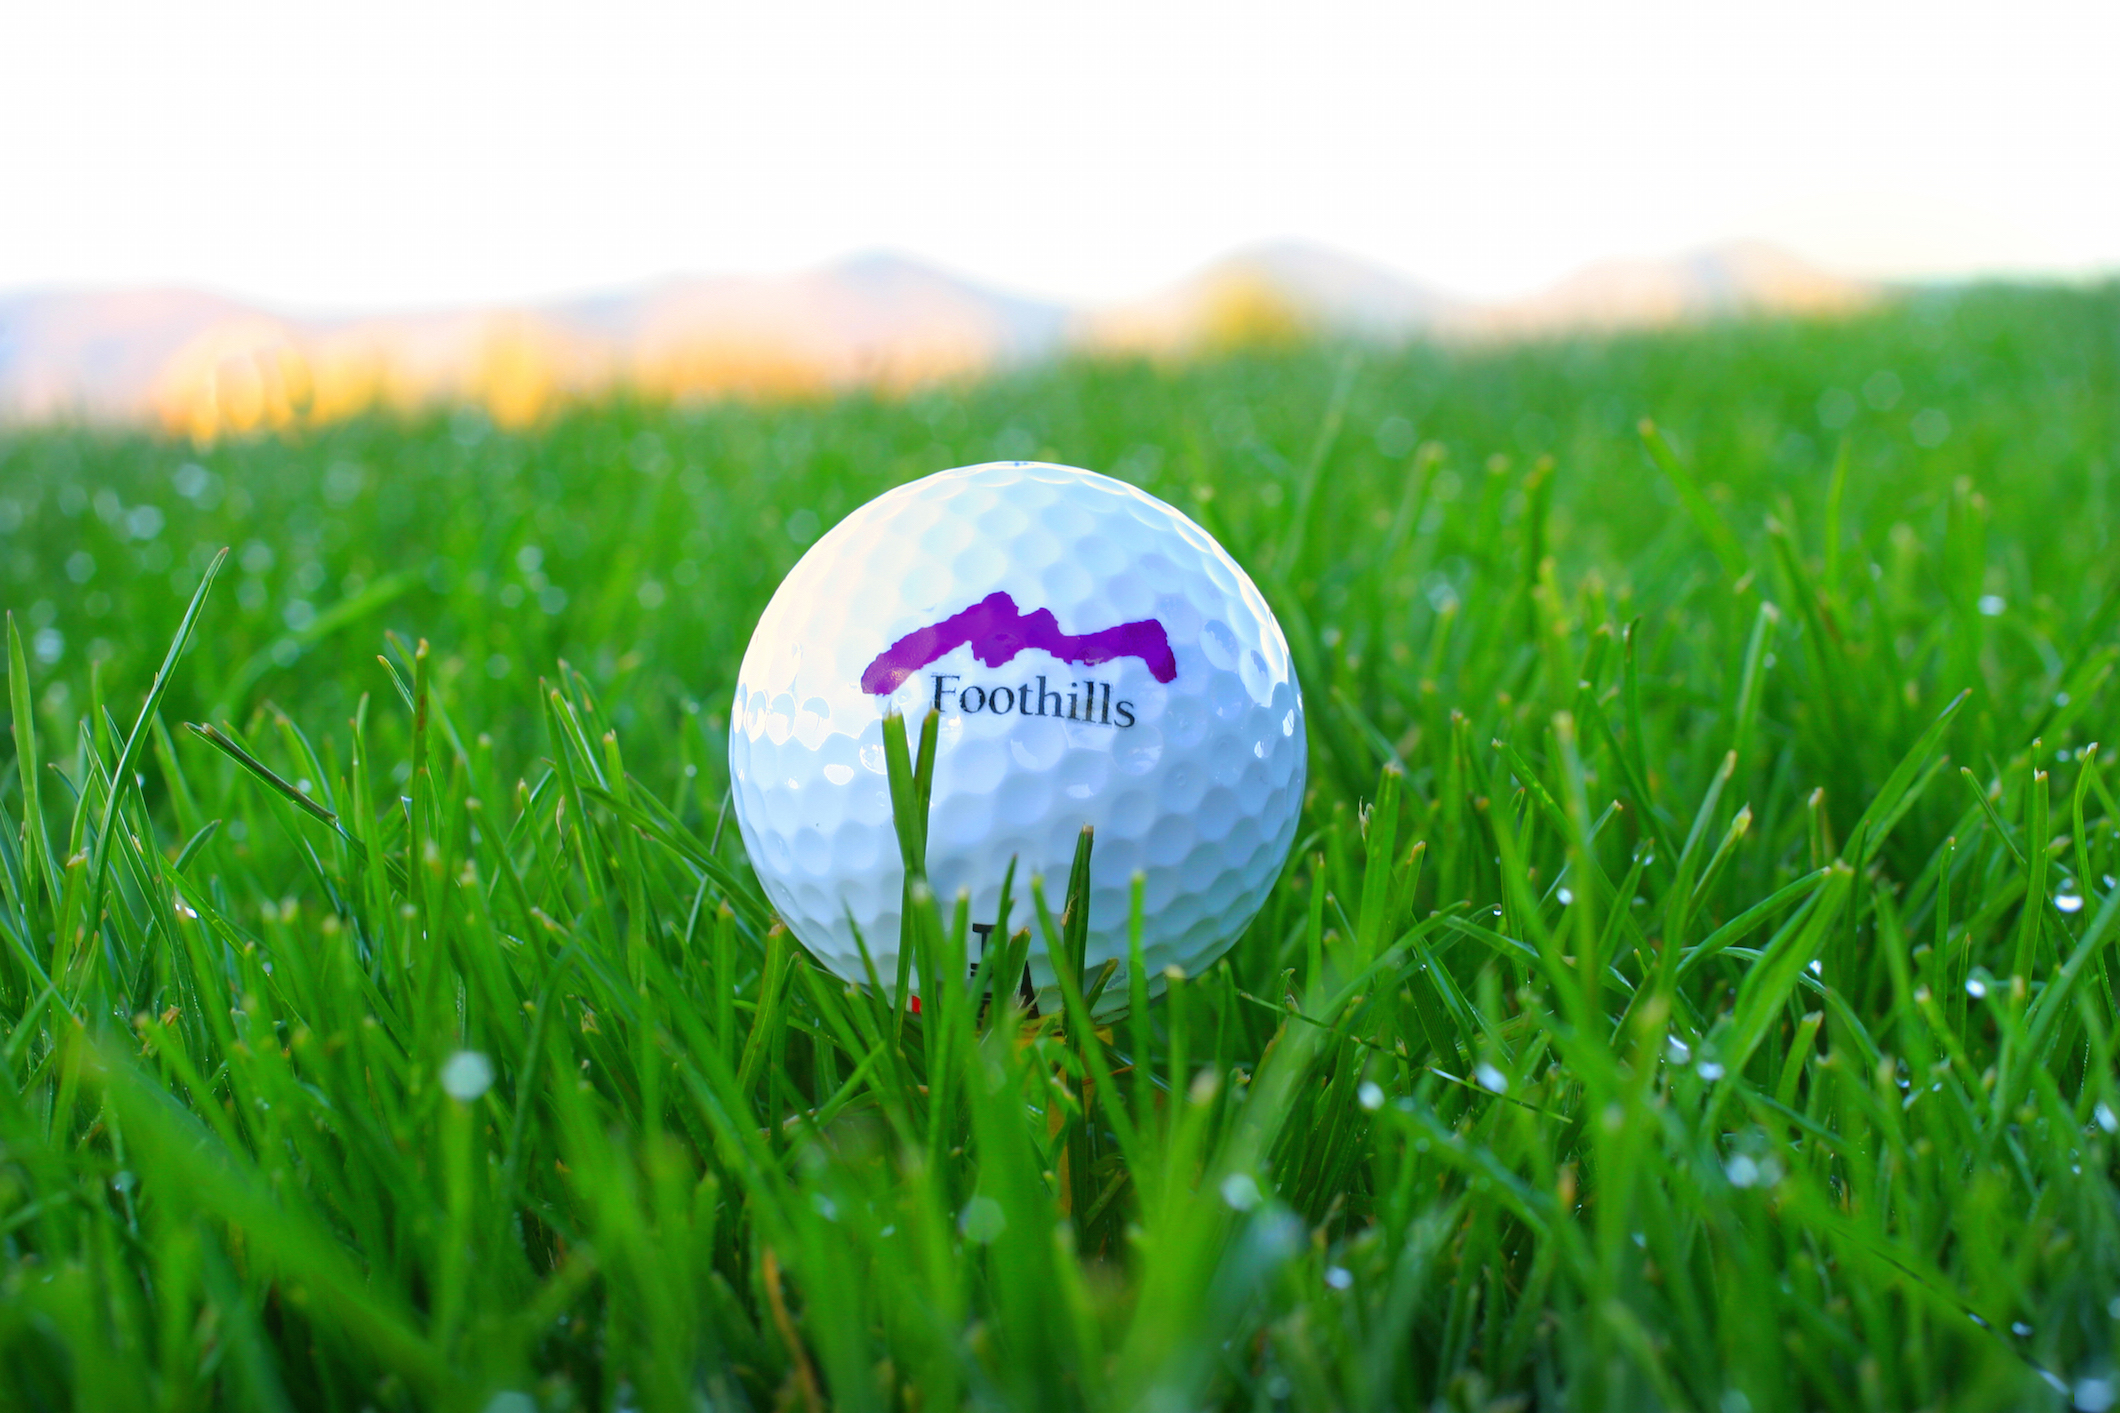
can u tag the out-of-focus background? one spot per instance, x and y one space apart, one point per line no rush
254 215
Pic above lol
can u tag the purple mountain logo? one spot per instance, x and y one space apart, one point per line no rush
998 630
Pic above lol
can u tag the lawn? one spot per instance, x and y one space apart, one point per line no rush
1693 986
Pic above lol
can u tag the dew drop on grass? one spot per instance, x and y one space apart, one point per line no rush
1240 1191
1993 605
1975 987
1709 1070
1930 427
1741 1171
2020 1329
1370 1095
1565 896
466 1075
2093 1394
1491 1079
1817 968
1676 1050
2069 899
2107 1119
982 1220
1338 1277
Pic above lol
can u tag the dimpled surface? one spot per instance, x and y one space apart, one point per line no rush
1199 792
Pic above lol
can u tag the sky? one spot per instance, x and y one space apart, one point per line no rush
407 153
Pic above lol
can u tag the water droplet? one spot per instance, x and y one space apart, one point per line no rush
2069 899
466 1075
1993 605
1975 987
1338 1277
1565 896
1741 1171
2093 1395
1817 968
1240 1191
1370 1095
1491 1078
2107 1119
1676 1050
982 1220
1709 1070
2020 1329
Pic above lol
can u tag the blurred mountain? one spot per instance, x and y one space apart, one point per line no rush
1271 293
875 320
202 365
96 353
1723 281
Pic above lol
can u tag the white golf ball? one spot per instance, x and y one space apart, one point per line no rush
1096 658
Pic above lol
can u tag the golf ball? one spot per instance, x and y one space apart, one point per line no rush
1095 658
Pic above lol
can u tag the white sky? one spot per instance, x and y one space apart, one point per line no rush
393 152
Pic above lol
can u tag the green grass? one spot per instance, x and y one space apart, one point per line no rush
1693 987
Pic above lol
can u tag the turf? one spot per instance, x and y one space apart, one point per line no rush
1693 987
